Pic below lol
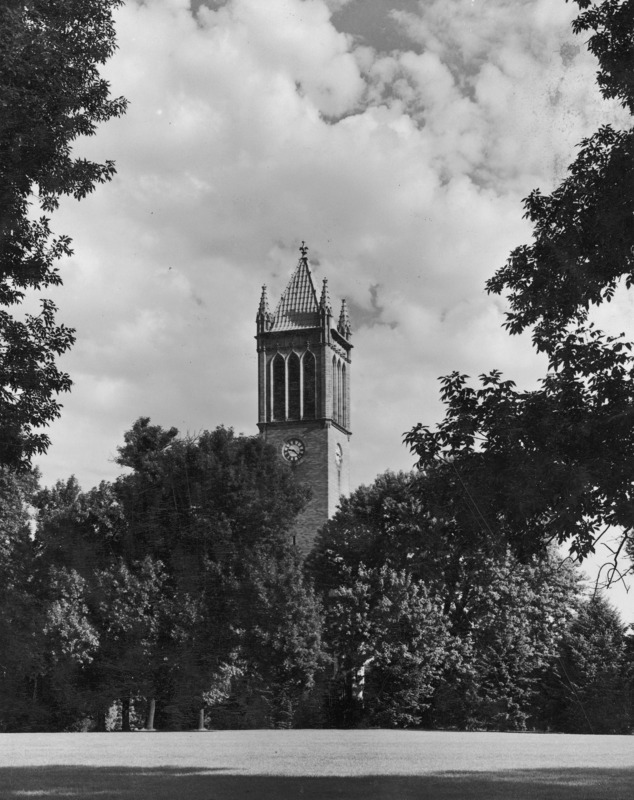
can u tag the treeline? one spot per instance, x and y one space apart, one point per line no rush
172 599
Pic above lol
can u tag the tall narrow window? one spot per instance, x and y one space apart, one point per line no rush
339 395
310 401
268 392
344 398
334 388
293 386
278 388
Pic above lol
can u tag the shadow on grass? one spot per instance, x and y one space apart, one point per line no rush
70 783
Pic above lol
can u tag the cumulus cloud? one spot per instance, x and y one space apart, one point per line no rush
255 125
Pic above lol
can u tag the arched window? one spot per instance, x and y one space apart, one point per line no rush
310 401
293 386
335 390
339 395
344 398
268 391
278 388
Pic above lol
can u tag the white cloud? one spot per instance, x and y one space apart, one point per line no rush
529 82
256 125
336 5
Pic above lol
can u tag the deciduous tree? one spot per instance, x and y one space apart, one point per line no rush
21 613
216 510
282 645
489 624
51 93
556 463
390 643
590 688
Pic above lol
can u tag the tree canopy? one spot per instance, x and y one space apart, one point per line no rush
556 463
51 93
175 587
590 688
444 624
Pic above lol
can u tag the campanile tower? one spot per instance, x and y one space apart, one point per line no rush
304 392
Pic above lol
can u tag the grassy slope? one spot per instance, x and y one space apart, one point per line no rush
316 765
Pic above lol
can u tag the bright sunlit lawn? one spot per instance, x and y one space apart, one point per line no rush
316 765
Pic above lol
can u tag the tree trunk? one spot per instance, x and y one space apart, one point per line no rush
125 714
201 719
100 720
149 721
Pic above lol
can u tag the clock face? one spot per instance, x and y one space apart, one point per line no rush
338 455
293 449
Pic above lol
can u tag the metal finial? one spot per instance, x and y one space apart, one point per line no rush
303 249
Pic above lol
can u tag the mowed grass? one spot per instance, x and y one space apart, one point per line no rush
316 765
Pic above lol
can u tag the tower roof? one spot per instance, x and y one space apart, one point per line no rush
298 307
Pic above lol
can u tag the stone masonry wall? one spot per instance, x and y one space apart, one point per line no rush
318 468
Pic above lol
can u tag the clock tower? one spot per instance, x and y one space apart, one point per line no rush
304 393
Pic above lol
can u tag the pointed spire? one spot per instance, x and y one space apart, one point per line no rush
325 297
263 318
264 303
344 321
298 305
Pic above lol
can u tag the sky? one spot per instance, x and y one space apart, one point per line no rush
396 137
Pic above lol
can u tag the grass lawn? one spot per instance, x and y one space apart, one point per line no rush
316 765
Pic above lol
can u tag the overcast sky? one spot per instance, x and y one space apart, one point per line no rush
396 138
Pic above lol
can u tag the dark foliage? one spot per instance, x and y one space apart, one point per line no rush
555 464
176 584
51 93
21 613
591 686
430 619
